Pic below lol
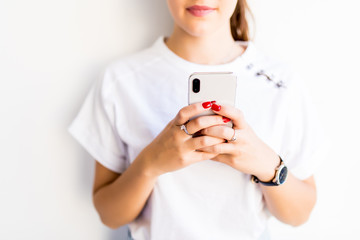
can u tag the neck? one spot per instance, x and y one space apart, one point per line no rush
211 49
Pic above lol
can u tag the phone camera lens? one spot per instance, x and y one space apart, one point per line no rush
196 85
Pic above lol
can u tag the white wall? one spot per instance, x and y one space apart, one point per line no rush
321 39
51 52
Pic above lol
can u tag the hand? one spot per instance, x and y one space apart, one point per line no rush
248 153
173 149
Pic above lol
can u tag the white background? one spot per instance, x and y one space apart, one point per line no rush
52 51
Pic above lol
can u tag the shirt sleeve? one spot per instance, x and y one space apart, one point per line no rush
305 145
94 127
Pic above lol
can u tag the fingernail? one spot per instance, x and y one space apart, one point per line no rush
226 120
213 102
216 107
206 104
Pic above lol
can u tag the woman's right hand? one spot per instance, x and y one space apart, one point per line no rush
173 149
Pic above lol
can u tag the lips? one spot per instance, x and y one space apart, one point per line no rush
200 11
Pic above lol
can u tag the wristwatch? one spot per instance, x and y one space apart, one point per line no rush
280 176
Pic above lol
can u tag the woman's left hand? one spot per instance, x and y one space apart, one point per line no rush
248 153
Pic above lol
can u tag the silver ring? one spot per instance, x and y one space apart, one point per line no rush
183 127
233 139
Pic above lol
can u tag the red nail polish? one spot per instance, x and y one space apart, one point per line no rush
206 105
226 120
216 107
213 102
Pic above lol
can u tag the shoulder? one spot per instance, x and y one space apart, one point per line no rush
126 68
123 71
126 75
129 66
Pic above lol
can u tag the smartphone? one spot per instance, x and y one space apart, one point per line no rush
212 86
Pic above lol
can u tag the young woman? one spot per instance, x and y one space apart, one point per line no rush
152 174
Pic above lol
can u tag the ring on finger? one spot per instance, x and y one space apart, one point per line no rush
233 138
183 127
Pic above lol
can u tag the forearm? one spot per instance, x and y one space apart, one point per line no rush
122 201
291 202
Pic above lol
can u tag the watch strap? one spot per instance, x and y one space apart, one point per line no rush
274 181
271 183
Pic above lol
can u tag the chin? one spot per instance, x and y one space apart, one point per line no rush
200 29
198 32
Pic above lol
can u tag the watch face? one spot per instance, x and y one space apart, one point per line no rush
283 175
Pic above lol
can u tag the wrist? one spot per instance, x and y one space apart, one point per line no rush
270 172
279 178
145 167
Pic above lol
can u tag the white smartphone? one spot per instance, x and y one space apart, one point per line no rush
212 86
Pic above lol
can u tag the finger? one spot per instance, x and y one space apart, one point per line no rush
202 122
219 131
201 156
231 112
223 158
202 142
222 148
191 111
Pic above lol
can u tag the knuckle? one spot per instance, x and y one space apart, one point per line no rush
203 141
182 115
205 155
232 160
198 122
202 155
183 160
217 148
223 131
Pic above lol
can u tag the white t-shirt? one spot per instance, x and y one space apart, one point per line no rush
138 95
